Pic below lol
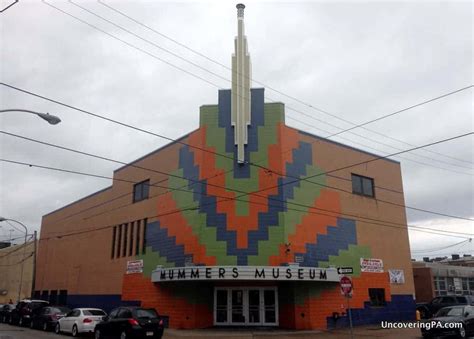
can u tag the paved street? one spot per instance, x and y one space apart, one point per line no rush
14 332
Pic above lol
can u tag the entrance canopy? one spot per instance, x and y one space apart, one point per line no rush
253 273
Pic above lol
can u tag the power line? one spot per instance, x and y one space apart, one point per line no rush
159 135
387 145
209 184
179 68
368 161
236 198
66 234
21 261
260 83
338 213
440 248
17 248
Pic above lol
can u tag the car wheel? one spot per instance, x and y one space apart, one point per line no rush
45 326
97 334
462 332
423 313
123 335
20 322
74 331
57 329
32 325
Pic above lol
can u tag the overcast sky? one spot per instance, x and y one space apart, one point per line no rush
356 60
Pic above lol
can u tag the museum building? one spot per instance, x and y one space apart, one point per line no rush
244 221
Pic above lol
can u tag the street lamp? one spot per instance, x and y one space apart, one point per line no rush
52 119
23 261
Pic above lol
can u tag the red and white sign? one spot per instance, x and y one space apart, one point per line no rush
346 285
134 266
371 265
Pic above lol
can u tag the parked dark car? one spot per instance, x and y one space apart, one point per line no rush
21 314
427 310
463 315
5 312
130 322
47 317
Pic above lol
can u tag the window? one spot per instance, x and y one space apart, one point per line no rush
130 247
363 185
449 300
377 296
114 234
62 300
93 312
53 297
124 314
119 241
114 313
137 246
144 235
146 313
141 190
125 231
45 295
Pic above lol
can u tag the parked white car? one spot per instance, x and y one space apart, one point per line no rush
80 320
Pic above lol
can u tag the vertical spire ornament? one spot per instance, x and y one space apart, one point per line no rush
241 73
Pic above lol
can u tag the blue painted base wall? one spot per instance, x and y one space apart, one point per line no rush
107 302
401 308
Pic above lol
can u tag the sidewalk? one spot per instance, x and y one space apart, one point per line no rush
238 333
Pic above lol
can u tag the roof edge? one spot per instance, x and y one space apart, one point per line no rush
344 145
78 200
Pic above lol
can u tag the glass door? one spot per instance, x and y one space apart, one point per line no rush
246 306
237 307
270 306
221 307
254 306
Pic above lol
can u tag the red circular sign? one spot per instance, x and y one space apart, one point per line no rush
346 285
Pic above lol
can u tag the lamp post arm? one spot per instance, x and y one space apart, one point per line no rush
51 119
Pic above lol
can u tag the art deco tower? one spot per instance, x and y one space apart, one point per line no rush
241 73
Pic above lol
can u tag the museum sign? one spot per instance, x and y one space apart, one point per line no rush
281 273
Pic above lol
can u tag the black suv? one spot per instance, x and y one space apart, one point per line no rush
427 310
130 322
22 313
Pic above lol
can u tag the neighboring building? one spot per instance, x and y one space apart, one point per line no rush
4 244
465 260
433 279
175 232
12 259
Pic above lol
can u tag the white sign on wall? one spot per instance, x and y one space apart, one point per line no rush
396 276
289 273
134 266
371 265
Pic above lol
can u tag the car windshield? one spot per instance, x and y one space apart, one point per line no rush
93 312
146 313
36 304
60 310
450 312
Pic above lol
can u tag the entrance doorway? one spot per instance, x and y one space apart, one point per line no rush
246 306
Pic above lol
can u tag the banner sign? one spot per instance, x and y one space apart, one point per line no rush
371 265
396 276
285 273
134 266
